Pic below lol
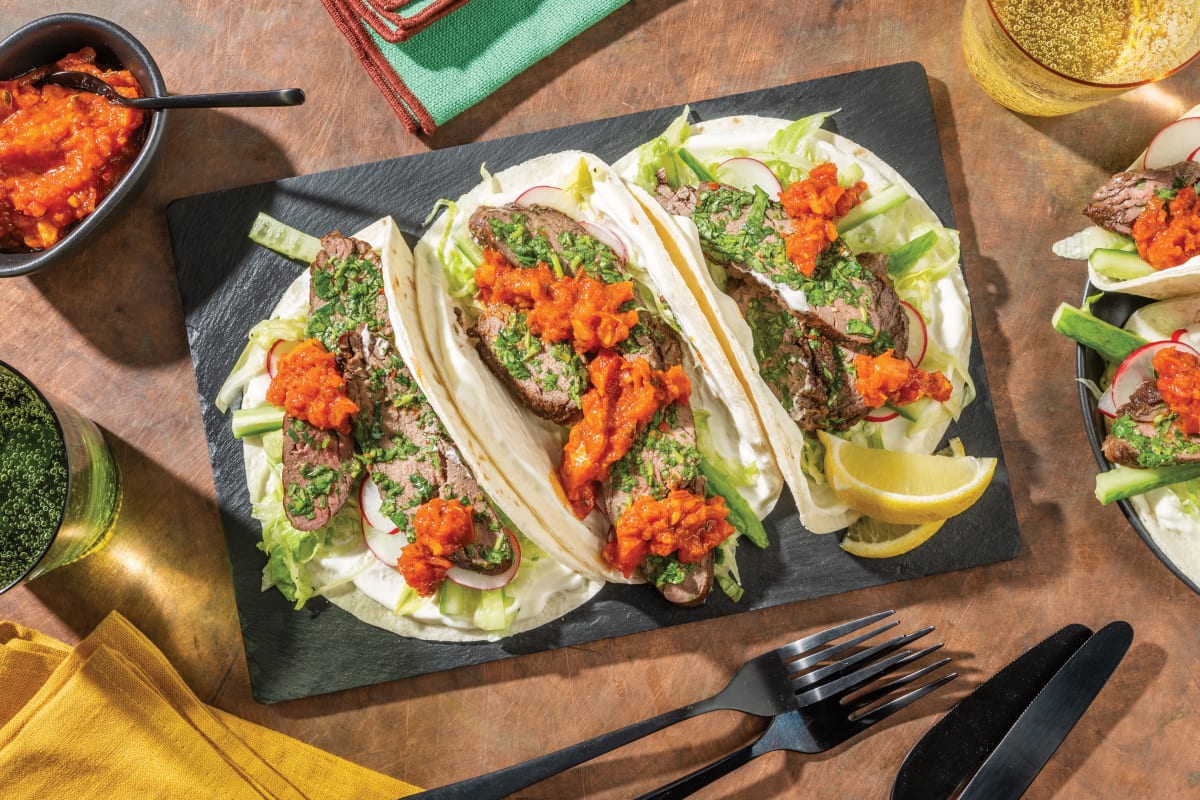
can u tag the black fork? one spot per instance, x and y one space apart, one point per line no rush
831 712
764 686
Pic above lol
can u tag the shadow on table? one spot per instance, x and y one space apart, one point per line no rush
121 293
166 562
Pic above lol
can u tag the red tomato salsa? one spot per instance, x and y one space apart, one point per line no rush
308 386
1179 383
886 379
61 152
1167 232
682 523
440 527
814 203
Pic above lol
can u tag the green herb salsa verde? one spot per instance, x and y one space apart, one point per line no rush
33 477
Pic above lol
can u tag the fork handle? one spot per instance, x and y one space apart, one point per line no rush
499 784
688 784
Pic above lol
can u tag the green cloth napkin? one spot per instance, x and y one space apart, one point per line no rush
464 56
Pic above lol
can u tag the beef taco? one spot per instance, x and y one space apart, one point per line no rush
362 491
834 288
547 313
1142 240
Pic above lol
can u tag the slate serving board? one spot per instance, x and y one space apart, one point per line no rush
228 284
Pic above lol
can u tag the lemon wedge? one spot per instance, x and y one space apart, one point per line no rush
904 488
872 538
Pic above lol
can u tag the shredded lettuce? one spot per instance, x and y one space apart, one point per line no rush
460 257
253 359
580 187
662 152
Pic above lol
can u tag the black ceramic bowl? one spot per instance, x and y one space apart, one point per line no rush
46 40
1115 308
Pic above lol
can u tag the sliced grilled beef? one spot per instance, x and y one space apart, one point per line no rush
1142 437
693 591
528 235
662 458
408 453
548 379
313 457
807 372
848 297
318 472
1117 203
654 341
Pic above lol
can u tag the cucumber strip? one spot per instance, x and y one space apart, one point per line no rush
408 602
491 614
741 516
695 166
1121 483
1119 265
877 204
903 257
456 600
1111 342
284 239
256 421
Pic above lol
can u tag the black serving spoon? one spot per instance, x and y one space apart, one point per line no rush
90 83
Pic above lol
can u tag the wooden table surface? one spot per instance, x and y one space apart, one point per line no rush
105 332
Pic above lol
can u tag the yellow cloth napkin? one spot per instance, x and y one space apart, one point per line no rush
111 718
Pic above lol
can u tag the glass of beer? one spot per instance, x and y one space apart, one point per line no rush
60 490
1051 57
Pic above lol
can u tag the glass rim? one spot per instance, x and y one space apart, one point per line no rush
62 437
1115 86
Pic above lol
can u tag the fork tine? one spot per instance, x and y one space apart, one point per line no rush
838 668
802 646
891 707
837 649
865 699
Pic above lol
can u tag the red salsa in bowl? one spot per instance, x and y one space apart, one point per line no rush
61 151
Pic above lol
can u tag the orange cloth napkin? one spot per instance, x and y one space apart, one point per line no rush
111 718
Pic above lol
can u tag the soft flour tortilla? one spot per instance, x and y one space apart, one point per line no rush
947 310
505 443
1174 528
359 583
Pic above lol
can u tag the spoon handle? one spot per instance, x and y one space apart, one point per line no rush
275 97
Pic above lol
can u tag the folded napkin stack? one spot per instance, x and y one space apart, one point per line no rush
111 718
433 59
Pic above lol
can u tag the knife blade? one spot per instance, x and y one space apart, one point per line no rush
1043 726
954 748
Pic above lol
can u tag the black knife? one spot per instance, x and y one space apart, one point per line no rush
961 741
1041 728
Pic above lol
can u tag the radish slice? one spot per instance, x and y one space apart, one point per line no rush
279 349
1136 369
551 196
606 235
477 580
745 173
883 414
384 545
918 335
371 502
1174 143
1178 335
1193 155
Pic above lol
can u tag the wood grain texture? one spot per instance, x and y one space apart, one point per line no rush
105 331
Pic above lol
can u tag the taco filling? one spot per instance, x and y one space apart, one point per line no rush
398 439
1159 424
1157 208
560 324
830 333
